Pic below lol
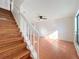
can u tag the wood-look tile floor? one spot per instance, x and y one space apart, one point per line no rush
56 49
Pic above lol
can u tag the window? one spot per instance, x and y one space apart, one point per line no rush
77 34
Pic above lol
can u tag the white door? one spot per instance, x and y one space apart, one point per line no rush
5 4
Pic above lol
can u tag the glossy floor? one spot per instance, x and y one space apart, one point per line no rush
56 49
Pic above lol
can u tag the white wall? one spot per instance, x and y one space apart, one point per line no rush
5 4
64 26
75 38
77 6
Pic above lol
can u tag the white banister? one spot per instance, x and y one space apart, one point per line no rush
33 35
30 34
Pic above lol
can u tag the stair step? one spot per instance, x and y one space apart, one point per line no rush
4 19
7 22
7 25
11 46
5 45
8 32
9 29
8 41
1 23
18 54
10 35
23 55
13 49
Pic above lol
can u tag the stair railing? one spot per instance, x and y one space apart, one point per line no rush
31 36
29 32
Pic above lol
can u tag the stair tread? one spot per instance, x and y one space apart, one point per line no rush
6 25
4 19
19 54
9 29
11 47
12 50
6 32
10 32
9 22
22 54
10 35
10 39
5 44
4 40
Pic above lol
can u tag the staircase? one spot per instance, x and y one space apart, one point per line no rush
12 45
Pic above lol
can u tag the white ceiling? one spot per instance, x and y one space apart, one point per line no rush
59 13
53 9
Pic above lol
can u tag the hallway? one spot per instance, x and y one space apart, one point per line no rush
12 45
